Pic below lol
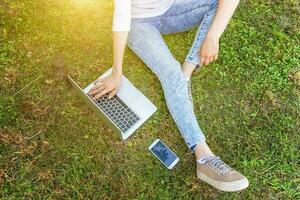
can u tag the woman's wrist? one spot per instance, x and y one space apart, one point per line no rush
117 71
213 35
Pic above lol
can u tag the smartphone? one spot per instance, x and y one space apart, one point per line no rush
164 153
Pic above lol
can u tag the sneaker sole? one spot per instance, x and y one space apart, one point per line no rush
225 186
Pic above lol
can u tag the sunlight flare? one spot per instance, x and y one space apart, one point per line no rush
83 3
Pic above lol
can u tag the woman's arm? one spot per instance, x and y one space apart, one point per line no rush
119 44
210 47
112 83
121 26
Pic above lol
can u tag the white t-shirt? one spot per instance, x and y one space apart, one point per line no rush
127 9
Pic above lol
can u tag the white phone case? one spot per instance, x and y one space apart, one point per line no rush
173 163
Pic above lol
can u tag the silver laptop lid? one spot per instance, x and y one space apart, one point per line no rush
94 106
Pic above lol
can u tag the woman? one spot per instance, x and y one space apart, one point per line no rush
141 23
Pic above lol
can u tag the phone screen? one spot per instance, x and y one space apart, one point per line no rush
163 153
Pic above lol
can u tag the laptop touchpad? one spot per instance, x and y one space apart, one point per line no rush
127 91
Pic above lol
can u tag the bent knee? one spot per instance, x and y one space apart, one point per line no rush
172 73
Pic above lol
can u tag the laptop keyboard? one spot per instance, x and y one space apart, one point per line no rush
118 112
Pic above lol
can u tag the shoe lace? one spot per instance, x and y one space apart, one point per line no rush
216 163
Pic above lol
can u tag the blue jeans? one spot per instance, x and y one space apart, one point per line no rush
145 39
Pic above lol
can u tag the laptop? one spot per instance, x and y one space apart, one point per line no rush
125 112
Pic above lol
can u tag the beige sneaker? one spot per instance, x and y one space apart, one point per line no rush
214 171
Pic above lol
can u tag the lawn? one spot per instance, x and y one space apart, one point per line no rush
52 146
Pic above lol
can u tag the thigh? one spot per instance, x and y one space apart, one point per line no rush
146 41
185 14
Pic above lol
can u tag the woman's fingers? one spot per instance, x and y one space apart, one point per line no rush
98 81
215 57
202 59
112 93
206 61
103 92
97 86
98 90
109 86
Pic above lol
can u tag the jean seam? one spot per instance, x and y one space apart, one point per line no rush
201 27
180 129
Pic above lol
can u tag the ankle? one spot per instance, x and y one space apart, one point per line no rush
188 68
202 150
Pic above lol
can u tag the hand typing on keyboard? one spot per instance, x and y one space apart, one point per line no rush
108 85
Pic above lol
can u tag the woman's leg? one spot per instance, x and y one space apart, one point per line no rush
146 41
185 14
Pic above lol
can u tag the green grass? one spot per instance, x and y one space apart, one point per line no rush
52 146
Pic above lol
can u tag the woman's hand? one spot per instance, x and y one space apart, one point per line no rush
209 50
108 85
210 46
